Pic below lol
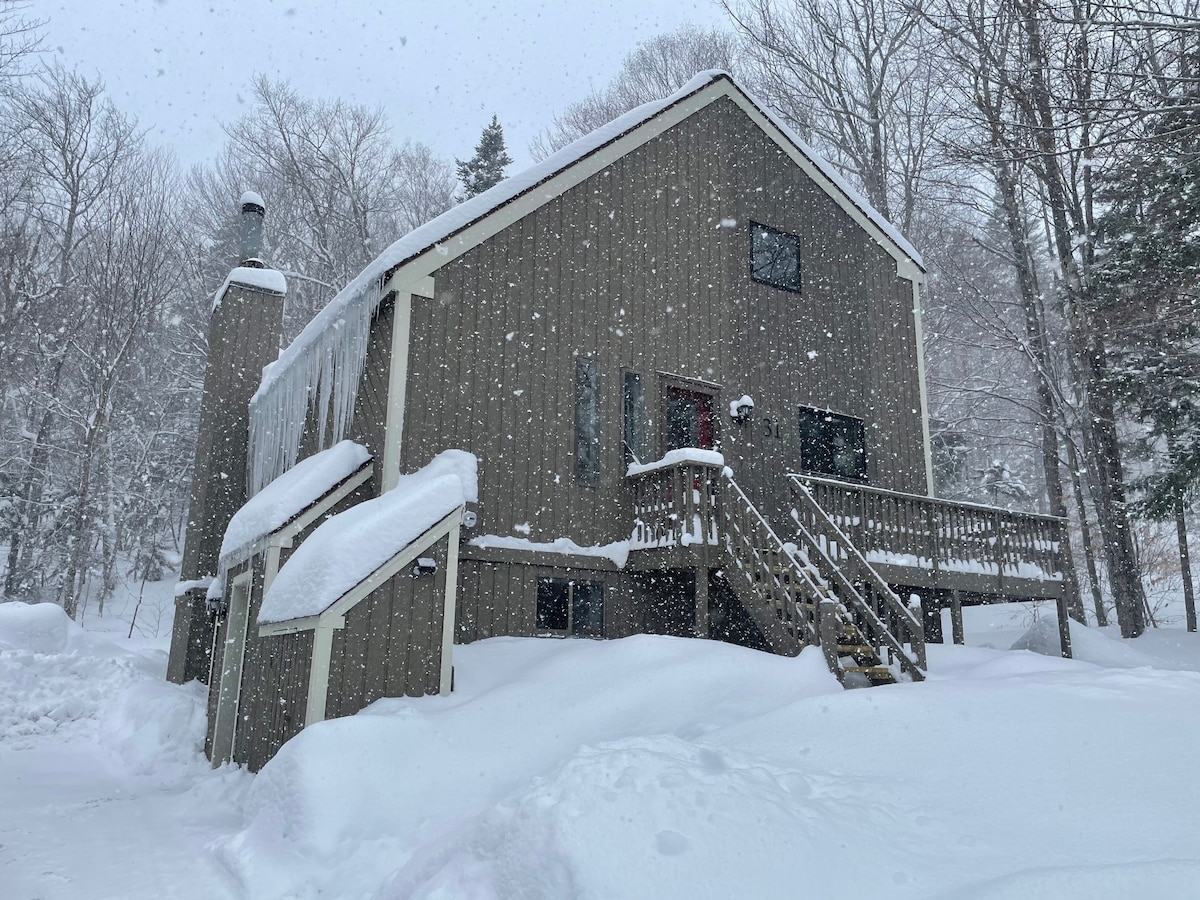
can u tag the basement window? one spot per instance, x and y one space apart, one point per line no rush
570 608
832 445
774 257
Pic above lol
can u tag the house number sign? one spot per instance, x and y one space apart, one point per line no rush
771 427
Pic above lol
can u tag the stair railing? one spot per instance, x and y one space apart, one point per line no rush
760 556
884 619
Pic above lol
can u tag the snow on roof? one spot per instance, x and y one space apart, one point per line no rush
251 197
248 276
326 358
290 494
348 547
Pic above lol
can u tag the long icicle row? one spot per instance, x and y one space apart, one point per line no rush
325 373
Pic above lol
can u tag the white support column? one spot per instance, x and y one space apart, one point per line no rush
449 611
398 376
318 674
230 687
912 272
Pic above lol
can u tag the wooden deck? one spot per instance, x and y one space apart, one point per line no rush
913 542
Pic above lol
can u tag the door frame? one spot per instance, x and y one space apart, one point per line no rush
709 389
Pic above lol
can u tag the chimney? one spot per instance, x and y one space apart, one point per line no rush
243 336
250 230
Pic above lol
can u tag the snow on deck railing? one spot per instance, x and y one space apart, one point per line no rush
682 456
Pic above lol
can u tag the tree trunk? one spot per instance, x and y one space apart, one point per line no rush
1035 333
1085 528
1101 445
1185 566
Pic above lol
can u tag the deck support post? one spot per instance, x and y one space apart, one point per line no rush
931 618
701 628
1064 625
956 617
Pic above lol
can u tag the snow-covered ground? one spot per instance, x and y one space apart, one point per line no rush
650 767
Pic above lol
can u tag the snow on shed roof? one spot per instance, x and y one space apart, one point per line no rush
331 349
290 494
345 549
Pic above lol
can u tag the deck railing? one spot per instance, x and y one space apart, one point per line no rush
895 529
675 503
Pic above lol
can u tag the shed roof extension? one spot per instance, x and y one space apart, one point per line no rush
289 495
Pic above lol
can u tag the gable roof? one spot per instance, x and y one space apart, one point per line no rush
325 360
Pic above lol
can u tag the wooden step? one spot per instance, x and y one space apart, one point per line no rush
874 673
858 650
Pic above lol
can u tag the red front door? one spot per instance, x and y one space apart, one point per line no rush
690 419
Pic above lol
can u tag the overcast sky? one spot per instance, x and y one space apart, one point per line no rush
440 68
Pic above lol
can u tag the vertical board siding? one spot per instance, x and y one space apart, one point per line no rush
392 643
644 266
272 710
500 598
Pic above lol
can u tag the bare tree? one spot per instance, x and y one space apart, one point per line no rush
654 70
856 77
338 187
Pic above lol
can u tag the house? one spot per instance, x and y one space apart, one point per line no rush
687 359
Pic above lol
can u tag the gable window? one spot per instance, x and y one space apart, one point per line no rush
774 257
633 400
587 421
569 607
832 444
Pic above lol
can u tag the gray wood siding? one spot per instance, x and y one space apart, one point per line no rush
273 710
499 597
634 269
392 643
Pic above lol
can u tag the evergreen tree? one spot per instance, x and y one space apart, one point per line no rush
485 169
1150 291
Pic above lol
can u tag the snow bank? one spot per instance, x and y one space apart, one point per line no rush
40 628
57 678
290 494
350 800
659 767
1087 645
348 547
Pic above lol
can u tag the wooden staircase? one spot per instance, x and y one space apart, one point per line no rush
818 591
797 595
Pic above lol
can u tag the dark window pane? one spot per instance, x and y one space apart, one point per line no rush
587 421
774 257
683 421
553 597
832 444
587 609
634 402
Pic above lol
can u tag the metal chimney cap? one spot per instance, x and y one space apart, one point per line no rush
254 201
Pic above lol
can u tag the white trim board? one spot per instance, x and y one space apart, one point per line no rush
229 689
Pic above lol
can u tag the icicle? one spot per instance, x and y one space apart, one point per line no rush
323 366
